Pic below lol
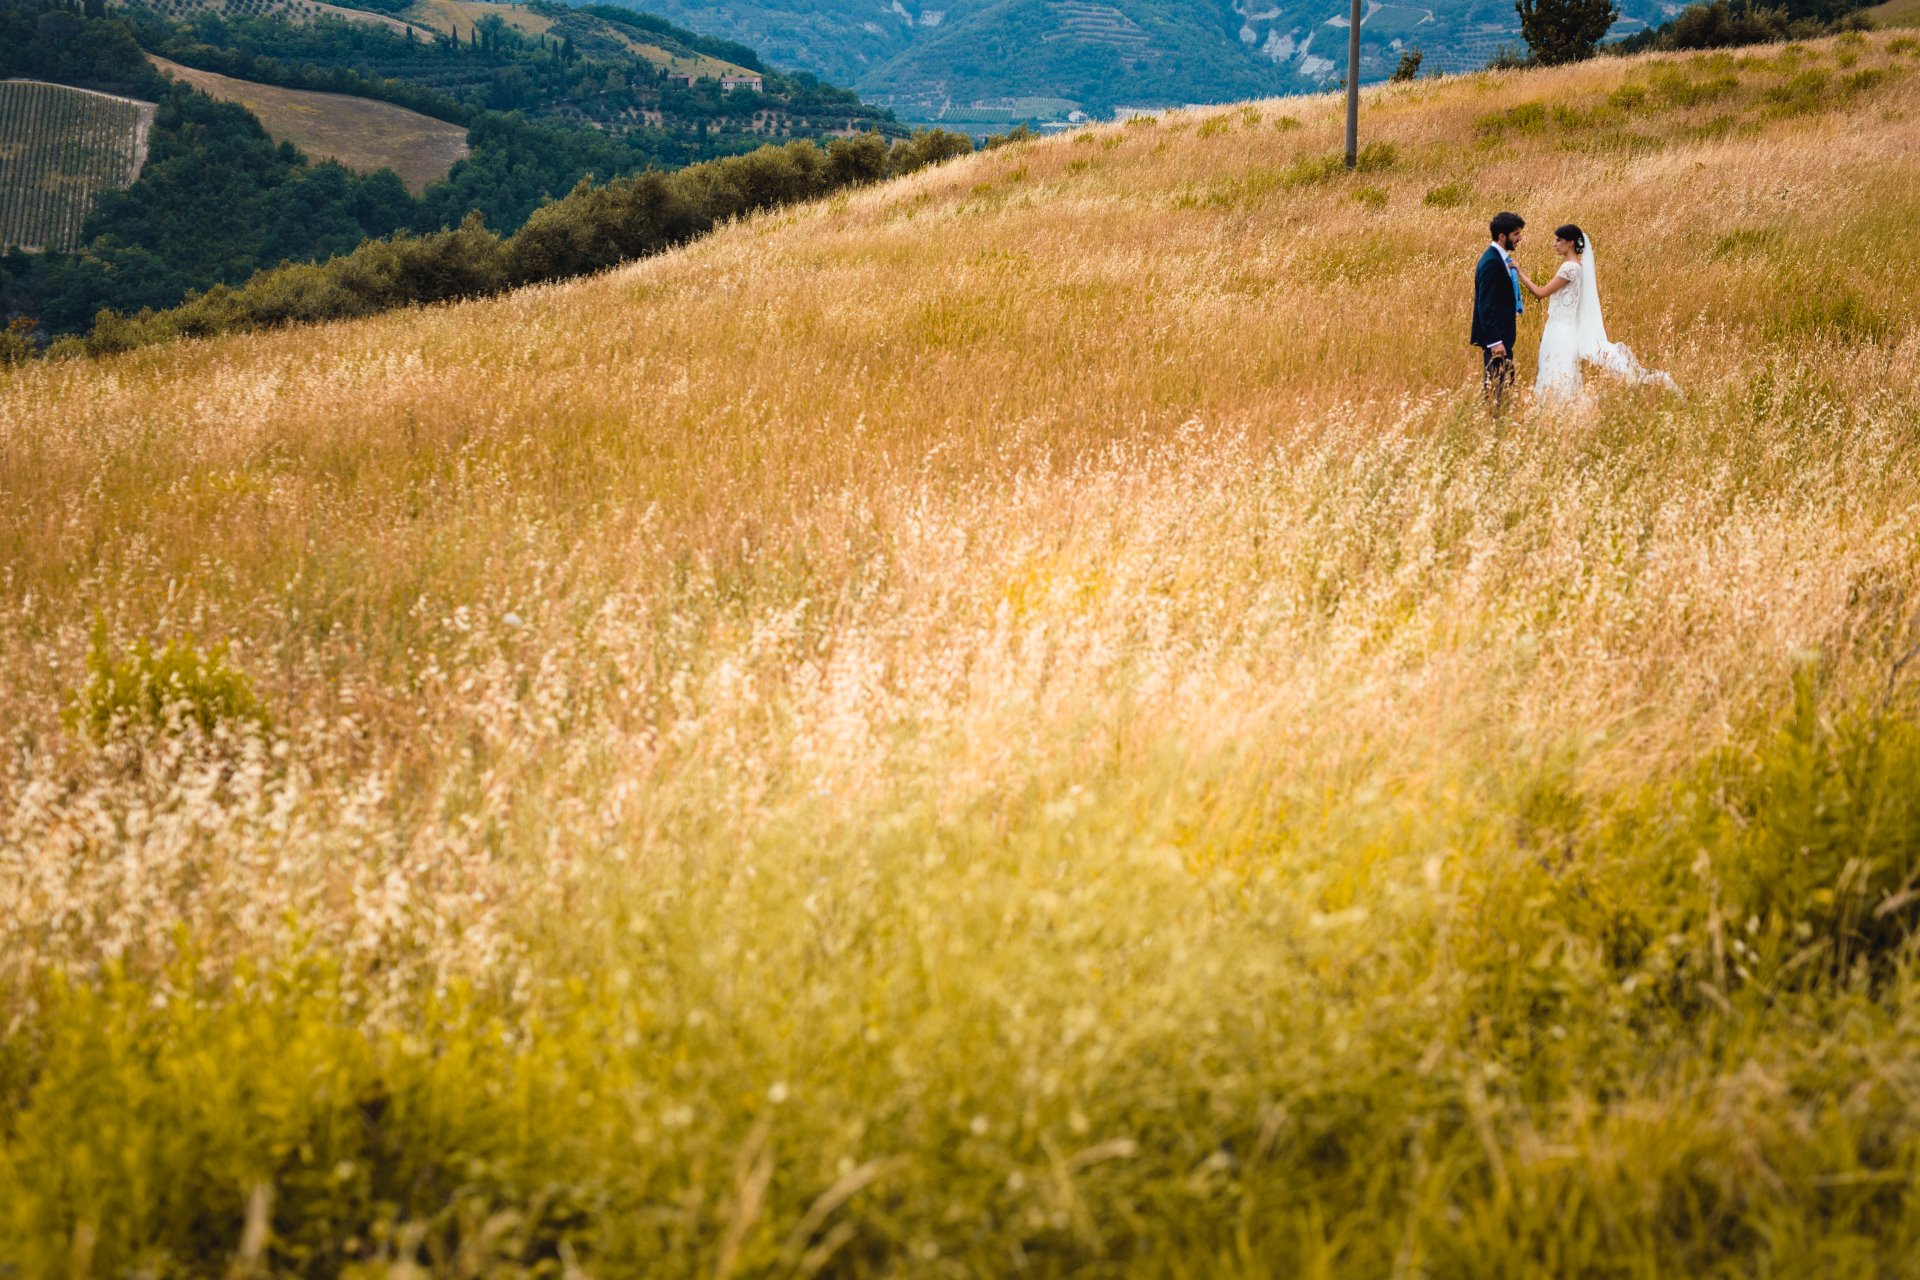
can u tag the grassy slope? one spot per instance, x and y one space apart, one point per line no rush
362 134
1021 720
1896 13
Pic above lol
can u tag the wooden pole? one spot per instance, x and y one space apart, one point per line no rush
1353 86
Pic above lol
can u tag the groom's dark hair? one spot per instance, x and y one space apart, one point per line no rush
1505 224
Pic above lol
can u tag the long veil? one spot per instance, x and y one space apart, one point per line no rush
1615 357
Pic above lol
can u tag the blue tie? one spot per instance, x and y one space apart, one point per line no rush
1519 302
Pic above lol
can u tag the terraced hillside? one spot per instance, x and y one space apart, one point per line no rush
1023 721
59 149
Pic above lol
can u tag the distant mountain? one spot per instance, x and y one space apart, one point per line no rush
925 57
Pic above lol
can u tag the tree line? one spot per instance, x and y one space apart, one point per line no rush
1562 31
590 229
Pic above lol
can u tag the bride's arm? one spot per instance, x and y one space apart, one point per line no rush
1552 287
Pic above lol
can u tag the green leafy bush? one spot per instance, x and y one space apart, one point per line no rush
1558 31
179 683
927 146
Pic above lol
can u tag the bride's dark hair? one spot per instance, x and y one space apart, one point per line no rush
1573 233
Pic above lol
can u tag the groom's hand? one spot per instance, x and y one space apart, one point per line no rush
1498 348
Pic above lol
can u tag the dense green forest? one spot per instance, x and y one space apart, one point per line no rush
218 200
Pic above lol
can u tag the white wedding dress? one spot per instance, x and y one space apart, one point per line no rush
1576 333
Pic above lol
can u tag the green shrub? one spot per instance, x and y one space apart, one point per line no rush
926 147
166 689
1678 90
1862 80
1527 117
1021 133
1803 92
17 340
1448 195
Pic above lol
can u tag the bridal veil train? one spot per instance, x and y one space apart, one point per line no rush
1576 334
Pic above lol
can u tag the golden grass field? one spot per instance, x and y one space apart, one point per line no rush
360 133
1021 721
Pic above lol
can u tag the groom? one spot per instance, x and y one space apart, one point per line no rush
1497 305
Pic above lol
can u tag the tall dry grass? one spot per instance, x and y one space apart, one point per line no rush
1024 719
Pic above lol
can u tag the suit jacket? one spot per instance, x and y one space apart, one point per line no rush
1495 313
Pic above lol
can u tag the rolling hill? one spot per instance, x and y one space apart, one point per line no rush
522 103
60 148
1023 719
360 133
932 55
286 10
681 95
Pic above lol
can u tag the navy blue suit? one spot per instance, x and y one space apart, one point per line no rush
1496 313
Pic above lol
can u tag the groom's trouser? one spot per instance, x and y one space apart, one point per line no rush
1498 370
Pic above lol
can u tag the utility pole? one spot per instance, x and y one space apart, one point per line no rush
1353 86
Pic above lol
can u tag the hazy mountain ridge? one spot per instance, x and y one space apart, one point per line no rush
920 56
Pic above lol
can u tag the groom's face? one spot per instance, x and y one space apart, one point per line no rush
1510 241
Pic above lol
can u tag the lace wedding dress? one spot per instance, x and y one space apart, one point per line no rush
1576 333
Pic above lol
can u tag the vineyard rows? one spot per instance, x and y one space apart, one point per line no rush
59 149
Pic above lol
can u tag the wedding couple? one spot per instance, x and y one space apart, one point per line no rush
1575 332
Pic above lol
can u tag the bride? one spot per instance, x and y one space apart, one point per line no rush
1575 331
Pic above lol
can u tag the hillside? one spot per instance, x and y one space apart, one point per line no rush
666 90
520 115
592 35
285 10
1896 13
60 148
360 133
926 58
1023 720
